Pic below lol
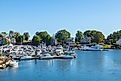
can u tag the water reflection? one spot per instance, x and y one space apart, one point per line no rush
63 65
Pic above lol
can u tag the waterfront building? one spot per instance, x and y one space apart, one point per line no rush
118 42
70 42
85 40
13 40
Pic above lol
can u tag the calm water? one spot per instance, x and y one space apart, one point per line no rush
89 66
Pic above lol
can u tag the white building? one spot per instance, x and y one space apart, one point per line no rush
85 40
118 42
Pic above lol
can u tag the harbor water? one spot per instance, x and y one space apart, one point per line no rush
88 66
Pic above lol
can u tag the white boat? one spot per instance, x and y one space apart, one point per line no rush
2 66
15 57
92 48
46 56
64 57
26 58
38 51
13 63
59 50
71 53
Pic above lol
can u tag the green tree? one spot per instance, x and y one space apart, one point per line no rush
44 36
3 34
62 36
16 35
7 41
48 39
19 39
26 36
87 33
79 36
112 38
36 40
96 36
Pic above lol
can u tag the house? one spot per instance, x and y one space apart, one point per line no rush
13 40
70 41
118 42
85 40
11 36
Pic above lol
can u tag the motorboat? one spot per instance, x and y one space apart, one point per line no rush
64 57
38 51
92 48
46 55
13 63
71 53
59 50
15 57
26 57
2 66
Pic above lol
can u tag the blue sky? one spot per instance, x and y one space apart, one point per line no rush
53 15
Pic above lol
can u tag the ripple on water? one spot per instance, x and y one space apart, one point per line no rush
89 66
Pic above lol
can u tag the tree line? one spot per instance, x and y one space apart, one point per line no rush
61 36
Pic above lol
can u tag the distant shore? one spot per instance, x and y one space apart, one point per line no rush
63 37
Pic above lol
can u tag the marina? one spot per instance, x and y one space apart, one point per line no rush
60 40
96 47
27 52
89 66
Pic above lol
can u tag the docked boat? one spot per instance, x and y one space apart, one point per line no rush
59 50
16 57
26 58
46 56
71 53
38 51
64 57
2 66
93 48
13 63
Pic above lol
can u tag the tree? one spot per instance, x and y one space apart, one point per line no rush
87 33
16 34
3 34
44 36
19 39
7 41
36 40
62 36
112 38
26 36
79 36
96 36
48 39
